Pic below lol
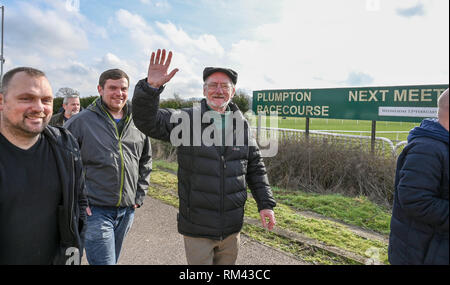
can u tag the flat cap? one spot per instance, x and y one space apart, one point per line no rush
230 72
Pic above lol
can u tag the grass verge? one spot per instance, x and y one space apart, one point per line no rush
358 211
361 127
164 185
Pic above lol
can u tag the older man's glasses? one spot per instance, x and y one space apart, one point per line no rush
213 86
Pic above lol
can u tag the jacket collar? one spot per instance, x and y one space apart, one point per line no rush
58 136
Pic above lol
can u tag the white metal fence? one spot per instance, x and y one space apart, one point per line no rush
382 145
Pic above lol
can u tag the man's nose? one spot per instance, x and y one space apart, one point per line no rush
219 89
119 92
37 106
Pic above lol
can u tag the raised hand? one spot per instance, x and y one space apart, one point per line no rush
157 70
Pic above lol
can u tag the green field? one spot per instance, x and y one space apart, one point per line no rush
395 131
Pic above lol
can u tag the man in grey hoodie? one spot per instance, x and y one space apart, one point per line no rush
117 163
419 224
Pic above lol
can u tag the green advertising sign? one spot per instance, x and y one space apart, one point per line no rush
388 103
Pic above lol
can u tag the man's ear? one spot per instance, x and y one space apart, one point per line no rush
1 101
100 90
233 92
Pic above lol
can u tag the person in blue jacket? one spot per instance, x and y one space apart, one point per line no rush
419 224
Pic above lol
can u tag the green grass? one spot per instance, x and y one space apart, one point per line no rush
348 125
164 185
358 211
304 252
162 164
327 232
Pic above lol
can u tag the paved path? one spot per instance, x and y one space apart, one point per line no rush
154 240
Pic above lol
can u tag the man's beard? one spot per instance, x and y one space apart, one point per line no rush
22 129
223 105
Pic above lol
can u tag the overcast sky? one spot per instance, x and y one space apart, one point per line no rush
271 44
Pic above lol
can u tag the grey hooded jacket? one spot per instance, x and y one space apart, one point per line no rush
117 164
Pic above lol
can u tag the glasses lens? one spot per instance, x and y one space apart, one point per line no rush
223 86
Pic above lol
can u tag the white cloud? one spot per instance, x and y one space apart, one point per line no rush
56 36
191 54
84 77
73 74
180 39
162 4
109 61
358 79
327 44
416 10
141 33
309 44
50 39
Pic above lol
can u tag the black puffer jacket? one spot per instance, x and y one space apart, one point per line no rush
419 224
212 180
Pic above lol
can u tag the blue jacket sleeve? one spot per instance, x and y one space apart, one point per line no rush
419 188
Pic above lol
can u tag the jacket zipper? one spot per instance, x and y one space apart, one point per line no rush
119 138
222 192
72 201
122 161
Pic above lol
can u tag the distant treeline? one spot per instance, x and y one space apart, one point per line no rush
84 102
241 99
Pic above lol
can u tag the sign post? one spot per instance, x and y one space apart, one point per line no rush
307 128
373 136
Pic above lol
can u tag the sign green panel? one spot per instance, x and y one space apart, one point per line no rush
388 103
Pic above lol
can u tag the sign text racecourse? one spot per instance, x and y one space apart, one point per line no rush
390 103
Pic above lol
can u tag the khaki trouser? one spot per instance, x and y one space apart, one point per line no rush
204 251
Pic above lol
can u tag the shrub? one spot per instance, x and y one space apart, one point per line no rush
242 101
84 102
324 167
163 150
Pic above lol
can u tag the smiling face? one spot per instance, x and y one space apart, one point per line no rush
218 90
114 94
72 107
27 105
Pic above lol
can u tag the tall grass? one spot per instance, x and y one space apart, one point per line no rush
163 150
324 168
